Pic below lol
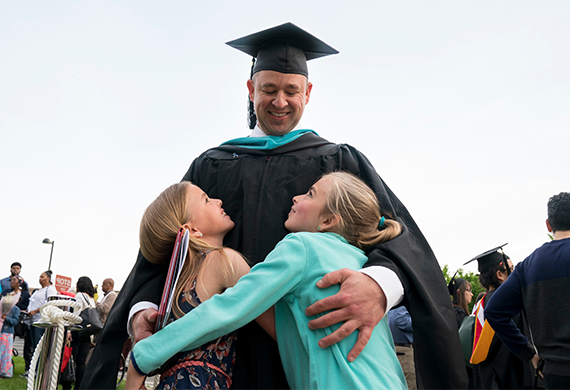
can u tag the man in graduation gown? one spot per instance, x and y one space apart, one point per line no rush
257 177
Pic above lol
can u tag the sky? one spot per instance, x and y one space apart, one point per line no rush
462 107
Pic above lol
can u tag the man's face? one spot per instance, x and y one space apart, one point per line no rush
279 100
105 286
15 270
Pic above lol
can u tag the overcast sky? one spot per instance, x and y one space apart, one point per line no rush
462 107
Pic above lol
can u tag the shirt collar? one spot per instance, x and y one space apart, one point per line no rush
257 132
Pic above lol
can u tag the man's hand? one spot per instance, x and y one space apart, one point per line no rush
143 324
360 303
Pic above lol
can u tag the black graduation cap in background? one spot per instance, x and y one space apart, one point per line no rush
454 284
490 257
285 48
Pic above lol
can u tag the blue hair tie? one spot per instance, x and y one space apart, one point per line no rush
381 224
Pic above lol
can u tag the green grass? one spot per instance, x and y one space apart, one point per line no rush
19 383
16 382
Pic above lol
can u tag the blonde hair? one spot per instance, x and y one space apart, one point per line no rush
159 227
358 211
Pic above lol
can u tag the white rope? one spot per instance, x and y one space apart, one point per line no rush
52 314
32 370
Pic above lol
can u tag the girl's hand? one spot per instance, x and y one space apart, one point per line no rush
135 381
3 316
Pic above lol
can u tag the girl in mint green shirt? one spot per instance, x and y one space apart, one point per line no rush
332 223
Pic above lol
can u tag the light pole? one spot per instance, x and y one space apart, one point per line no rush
48 241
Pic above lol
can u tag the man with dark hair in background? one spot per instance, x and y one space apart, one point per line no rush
15 269
539 286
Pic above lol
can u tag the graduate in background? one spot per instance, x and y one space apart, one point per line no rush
460 290
494 365
461 295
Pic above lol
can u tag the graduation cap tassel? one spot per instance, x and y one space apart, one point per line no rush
251 117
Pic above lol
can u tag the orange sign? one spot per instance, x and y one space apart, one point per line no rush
62 283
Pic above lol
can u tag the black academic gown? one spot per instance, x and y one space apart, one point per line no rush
257 187
502 369
460 315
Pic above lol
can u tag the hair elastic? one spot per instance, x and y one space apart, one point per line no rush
381 224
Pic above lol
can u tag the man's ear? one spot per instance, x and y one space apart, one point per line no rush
251 89
548 226
308 93
330 223
500 276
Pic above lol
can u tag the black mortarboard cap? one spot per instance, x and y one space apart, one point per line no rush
454 284
489 258
285 49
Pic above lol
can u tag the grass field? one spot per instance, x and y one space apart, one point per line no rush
19 383
16 382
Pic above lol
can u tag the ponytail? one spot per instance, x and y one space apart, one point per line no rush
361 221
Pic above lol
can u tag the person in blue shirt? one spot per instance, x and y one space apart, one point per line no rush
400 323
5 286
539 286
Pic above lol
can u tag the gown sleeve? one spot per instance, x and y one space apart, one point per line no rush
425 290
255 293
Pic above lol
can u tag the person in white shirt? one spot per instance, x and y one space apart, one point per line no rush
37 300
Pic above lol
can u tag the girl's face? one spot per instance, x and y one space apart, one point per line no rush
468 294
208 216
44 280
15 283
306 212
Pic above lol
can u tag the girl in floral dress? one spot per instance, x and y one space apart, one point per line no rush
209 269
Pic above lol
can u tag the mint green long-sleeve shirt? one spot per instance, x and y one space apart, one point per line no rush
287 279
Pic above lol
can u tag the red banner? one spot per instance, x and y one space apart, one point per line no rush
62 283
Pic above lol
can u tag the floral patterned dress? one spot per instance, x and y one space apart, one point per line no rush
207 367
